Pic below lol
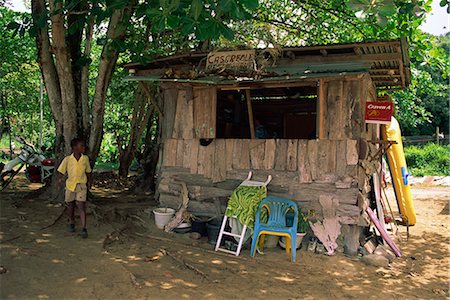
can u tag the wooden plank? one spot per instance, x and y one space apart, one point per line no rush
352 152
331 166
237 149
341 160
281 155
354 110
194 156
257 148
208 162
312 158
170 153
180 153
219 170
335 110
169 107
322 157
241 154
229 145
250 113
292 147
201 159
205 105
269 154
244 161
184 122
303 163
322 110
187 159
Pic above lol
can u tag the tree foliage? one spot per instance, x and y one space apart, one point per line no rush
94 38
19 80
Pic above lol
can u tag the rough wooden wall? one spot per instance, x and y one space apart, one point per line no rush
302 169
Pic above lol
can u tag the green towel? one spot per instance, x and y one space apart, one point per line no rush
244 202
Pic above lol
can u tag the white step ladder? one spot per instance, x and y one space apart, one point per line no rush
239 237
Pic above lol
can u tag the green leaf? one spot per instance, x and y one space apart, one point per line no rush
250 4
226 32
173 21
226 5
102 41
187 26
118 45
196 8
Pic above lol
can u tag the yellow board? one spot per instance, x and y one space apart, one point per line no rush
399 171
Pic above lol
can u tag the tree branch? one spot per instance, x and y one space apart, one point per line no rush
333 12
89 28
116 31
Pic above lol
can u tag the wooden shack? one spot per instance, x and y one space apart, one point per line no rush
294 113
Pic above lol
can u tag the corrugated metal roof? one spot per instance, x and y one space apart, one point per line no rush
387 62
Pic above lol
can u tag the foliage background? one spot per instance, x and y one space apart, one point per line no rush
420 108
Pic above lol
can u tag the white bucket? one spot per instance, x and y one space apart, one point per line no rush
163 216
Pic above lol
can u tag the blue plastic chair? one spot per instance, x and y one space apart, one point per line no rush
277 209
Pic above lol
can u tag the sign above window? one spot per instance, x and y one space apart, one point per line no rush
242 60
379 112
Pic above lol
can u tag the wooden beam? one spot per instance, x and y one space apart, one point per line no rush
349 46
358 50
384 70
385 76
151 97
250 113
402 75
321 109
261 85
341 58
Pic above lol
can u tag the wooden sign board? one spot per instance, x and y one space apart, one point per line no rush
231 60
379 112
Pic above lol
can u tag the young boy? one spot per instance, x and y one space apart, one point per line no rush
78 182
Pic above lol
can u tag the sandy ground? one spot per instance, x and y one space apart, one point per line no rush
53 264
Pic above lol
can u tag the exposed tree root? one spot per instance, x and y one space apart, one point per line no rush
185 264
56 220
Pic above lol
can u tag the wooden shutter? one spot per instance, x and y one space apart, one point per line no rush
205 106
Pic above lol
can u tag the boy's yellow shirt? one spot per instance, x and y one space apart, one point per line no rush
76 170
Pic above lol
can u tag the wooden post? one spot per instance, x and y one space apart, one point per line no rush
321 111
250 114
437 135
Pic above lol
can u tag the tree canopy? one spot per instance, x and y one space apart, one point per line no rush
81 45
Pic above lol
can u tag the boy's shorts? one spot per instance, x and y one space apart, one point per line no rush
80 193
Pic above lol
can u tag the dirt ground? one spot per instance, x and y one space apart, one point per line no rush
121 260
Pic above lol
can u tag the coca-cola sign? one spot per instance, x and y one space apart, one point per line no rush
379 112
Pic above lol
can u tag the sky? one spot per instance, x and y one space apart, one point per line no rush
437 22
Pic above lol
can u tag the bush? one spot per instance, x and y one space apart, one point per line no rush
428 160
108 150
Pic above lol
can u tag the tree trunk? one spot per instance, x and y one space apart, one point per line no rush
150 155
142 112
116 31
49 73
66 76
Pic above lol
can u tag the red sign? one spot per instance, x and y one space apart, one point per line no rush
379 112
